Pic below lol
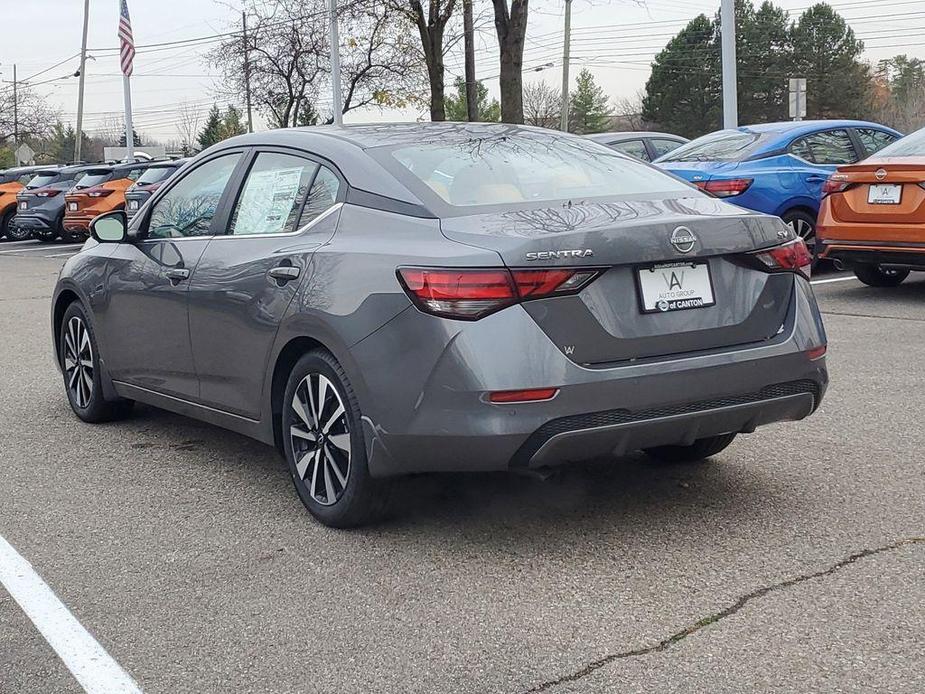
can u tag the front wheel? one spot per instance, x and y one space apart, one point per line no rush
324 445
699 450
878 276
80 364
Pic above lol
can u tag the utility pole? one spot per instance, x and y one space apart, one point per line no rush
15 109
80 87
247 75
563 107
472 95
730 97
338 103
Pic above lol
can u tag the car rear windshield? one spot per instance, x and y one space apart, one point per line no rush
512 168
912 145
154 174
725 145
42 180
94 178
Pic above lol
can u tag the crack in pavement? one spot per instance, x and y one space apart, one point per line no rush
670 641
871 315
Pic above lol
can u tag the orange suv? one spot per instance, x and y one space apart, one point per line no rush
102 189
872 217
11 182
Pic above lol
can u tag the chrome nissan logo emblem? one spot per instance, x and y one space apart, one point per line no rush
683 240
881 174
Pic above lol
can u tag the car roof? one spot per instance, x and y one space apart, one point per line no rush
807 126
28 169
633 135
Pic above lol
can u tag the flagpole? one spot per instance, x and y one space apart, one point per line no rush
129 131
126 59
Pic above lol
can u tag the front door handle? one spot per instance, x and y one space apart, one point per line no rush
177 275
816 178
284 273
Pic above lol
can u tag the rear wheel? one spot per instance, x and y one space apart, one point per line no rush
45 235
878 276
699 450
324 447
15 233
5 222
804 226
80 365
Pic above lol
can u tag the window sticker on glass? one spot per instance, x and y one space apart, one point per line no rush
267 201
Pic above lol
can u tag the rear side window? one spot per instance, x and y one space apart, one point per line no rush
634 148
874 140
272 197
189 207
663 147
24 179
322 196
723 145
832 147
132 175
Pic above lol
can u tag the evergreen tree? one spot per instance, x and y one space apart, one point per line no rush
827 53
212 130
136 139
455 104
588 109
683 92
764 59
232 124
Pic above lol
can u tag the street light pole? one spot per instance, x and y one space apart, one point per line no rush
563 106
15 109
338 103
730 97
80 87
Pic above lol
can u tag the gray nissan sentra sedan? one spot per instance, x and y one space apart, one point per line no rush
381 300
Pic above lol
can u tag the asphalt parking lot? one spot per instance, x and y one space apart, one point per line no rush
794 561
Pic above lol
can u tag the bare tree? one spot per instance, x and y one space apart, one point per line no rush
627 113
541 104
431 25
511 27
110 131
35 116
189 119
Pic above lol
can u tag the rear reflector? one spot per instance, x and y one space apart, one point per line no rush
726 188
533 395
817 352
790 257
470 294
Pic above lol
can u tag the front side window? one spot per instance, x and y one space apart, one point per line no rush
273 194
634 148
663 147
515 167
188 207
874 140
322 195
832 147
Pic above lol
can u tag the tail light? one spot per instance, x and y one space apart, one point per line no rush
727 188
97 192
790 257
470 294
46 192
530 395
836 183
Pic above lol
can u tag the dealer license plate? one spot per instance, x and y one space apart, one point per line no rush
675 287
883 194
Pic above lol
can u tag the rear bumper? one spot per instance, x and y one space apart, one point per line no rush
35 222
436 416
906 255
78 222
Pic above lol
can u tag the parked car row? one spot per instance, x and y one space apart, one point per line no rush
48 202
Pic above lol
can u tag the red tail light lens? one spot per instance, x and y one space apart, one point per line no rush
791 257
836 183
97 192
470 294
726 188
46 192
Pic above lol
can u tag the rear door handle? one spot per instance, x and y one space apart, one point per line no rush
177 274
284 273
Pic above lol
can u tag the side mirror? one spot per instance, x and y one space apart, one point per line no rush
109 227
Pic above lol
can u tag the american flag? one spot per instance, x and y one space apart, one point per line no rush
127 43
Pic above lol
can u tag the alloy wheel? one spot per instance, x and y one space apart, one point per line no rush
78 362
804 230
320 438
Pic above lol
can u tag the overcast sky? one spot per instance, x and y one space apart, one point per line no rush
616 39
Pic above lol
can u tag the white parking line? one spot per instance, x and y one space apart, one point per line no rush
835 279
43 247
87 660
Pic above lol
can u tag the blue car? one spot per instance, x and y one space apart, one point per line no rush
777 168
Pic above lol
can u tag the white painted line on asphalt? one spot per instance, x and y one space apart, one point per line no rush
835 279
43 247
60 255
87 660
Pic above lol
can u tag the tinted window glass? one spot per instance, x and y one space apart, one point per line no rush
24 179
663 147
830 147
272 195
909 146
522 167
323 194
42 180
94 178
634 148
188 208
874 140
154 174
724 145
132 174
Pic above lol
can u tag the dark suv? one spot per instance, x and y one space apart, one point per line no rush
149 181
40 205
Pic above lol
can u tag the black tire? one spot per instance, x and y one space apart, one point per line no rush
360 499
45 235
697 451
803 225
84 390
5 222
876 276
15 233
